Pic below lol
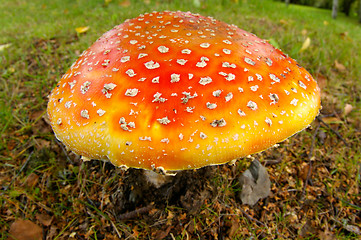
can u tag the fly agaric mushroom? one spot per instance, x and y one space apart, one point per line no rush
175 90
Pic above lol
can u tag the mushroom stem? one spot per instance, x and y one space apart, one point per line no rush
157 179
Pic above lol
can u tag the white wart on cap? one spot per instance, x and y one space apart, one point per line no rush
175 90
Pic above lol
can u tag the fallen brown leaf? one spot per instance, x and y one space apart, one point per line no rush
125 3
161 234
340 67
52 233
306 230
347 109
326 235
41 143
234 227
31 180
284 21
170 217
303 172
321 80
25 230
44 219
35 116
345 36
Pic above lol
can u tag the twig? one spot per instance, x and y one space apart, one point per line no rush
307 179
159 222
319 118
272 162
31 198
251 218
310 155
116 229
64 151
136 212
25 164
351 228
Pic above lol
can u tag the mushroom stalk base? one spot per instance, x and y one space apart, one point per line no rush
157 179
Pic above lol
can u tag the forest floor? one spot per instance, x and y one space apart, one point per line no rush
51 193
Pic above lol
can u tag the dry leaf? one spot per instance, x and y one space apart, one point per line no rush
44 219
347 109
36 115
31 180
41 143
72 235
326 235
25 230
135 232
161 234
340 67
125 3
305 44
283 21
332 120
303 172
4 46
304 32
170 218
153 211
352 228
255 184
345 36
306 230
81 30
51 233
321 80
11 69
234 227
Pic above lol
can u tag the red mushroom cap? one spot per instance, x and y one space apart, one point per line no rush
175 90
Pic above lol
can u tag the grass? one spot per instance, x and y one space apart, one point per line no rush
38 176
